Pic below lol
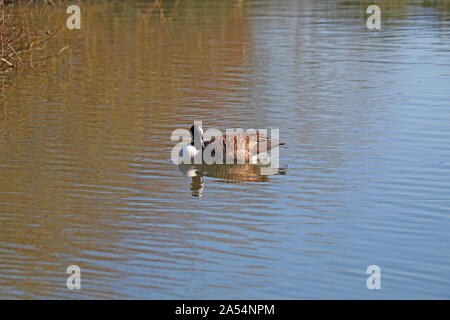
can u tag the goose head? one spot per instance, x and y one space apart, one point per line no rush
197 137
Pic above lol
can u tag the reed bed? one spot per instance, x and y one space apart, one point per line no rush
20 46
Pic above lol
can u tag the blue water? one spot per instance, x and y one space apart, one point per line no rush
87 177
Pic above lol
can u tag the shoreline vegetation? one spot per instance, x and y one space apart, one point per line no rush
25 44
21 46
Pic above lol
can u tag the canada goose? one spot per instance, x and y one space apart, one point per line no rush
238 146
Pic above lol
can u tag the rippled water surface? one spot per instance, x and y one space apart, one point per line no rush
86 176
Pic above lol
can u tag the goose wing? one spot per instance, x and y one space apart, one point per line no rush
243 145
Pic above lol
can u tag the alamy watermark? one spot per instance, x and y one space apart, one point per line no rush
373 22
74 20
234 146
74 280
374 280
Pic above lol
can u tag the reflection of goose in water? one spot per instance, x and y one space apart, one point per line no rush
243 146
197 179
228 173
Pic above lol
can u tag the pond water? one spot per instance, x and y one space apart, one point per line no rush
86 177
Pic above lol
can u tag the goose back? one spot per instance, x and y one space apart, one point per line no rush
242 146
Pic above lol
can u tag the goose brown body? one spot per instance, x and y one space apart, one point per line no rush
241 146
